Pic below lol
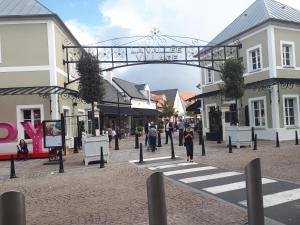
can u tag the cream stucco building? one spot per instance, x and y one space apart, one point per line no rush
269 34
31 65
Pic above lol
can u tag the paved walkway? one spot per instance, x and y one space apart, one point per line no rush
117 194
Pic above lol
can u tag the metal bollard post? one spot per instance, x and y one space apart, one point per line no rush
296 138
76 144
12 167
136 141
203 147
254 193
255 142
101 158
172 147
229 145
158 140
277 141
252 133
61 163
116 142
141 153
156 199
200 137
12 208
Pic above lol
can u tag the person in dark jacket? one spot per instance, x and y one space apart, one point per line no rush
22 149
188 142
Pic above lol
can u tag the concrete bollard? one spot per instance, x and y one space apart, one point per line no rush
254 193
101 158
229 145
203 147
136 141
159 140
156 199
12 168
141 153
12 208
255 142
296 138
172 147
277 141
61 163
117 142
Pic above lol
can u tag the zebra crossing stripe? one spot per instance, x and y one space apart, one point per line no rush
233 186
203 168
153 159
209 177
278 198
170 166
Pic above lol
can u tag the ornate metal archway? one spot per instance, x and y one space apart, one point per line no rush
156 49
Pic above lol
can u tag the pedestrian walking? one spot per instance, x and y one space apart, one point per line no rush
181 130
188 142
168 130
152 137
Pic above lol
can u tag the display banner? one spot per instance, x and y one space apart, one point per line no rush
52 133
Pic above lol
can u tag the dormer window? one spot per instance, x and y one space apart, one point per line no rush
254 56
287 54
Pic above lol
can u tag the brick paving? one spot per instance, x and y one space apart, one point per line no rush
117 194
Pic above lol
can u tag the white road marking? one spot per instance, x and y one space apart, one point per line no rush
152 159
233 186
190 170
278 198
209 177
171 166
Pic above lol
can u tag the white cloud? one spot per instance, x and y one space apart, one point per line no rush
202 19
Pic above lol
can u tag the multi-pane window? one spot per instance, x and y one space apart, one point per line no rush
258 113
255 59
33 116
287 55
289 108
209 76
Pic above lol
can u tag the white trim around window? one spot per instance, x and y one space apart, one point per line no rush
206 112
207 73
258 59
0 51
262 120
291 60
68 125
19 109
296 111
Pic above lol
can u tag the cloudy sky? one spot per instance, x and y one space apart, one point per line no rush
93 21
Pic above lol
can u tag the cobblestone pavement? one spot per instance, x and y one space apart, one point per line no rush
117 194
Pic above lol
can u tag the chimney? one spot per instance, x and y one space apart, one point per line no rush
109 76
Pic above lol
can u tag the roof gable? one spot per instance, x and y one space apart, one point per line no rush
22 8
259 12
169 93
130 88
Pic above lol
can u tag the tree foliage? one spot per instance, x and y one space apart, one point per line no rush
167 108
232 75
91 85
234 86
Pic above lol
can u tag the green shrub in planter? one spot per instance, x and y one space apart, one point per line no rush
161 127
140 130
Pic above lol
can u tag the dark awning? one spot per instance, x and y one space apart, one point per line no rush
38 90
195 107
113 110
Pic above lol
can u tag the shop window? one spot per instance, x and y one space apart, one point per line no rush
33 116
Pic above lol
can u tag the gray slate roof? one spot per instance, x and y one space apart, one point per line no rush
259 12
169 93
111 94
22 8
130 88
